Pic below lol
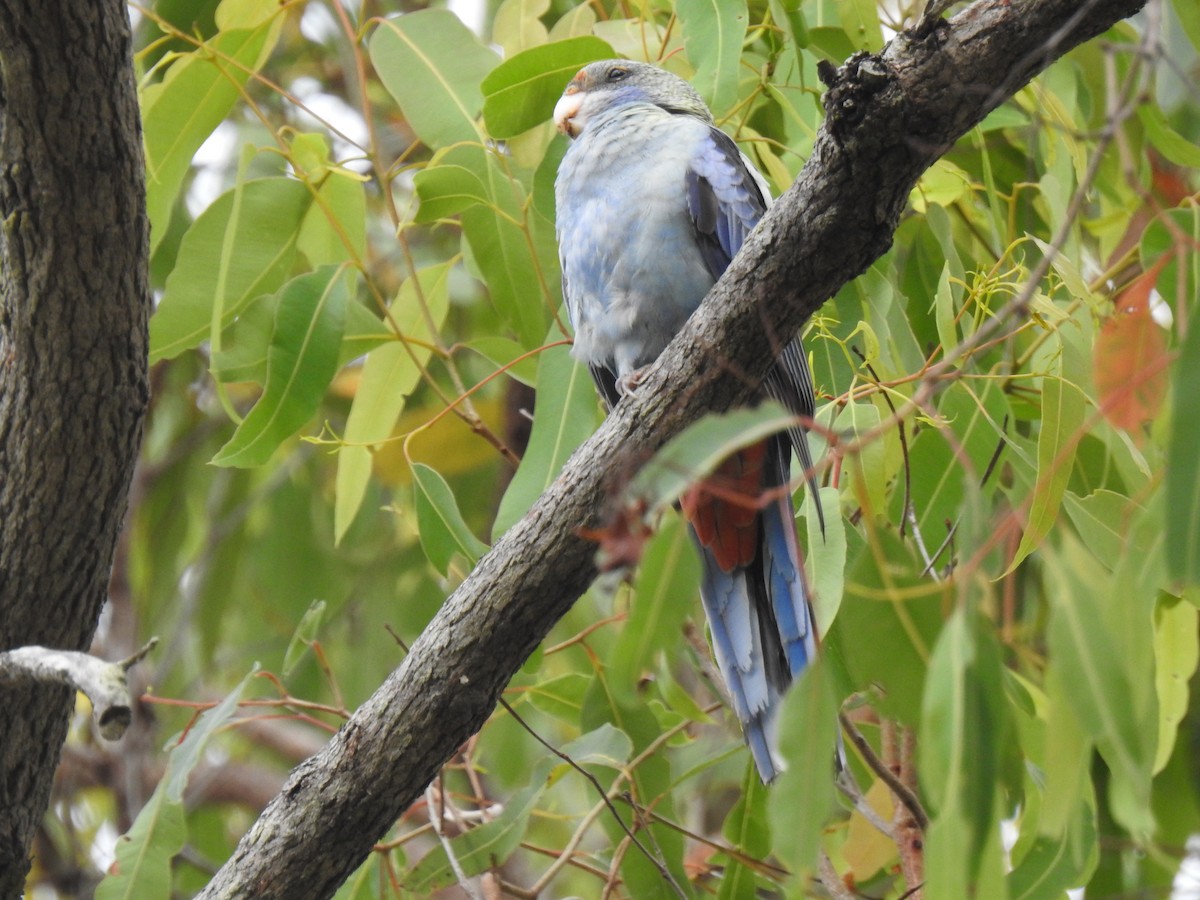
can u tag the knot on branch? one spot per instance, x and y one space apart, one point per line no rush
851 89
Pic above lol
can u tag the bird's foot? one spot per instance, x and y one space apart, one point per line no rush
628 384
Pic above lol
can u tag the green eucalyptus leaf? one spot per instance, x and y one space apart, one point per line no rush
444 532
432 65
181 111
521 92
263 224
309 319
713 31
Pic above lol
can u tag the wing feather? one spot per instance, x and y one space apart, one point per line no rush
726 199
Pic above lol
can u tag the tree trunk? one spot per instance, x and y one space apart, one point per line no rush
74 302
890 117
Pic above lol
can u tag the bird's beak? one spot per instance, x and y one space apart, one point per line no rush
566 109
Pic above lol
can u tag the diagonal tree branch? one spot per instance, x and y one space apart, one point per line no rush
889 117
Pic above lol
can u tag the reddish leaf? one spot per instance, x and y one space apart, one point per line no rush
1130 357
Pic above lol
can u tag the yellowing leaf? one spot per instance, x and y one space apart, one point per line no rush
867 849
943 184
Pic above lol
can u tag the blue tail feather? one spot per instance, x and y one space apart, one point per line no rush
761 625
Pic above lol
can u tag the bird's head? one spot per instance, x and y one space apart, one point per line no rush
611 83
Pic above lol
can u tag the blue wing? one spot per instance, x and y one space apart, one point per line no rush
726 199
759 613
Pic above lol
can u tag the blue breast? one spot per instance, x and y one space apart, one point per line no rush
632 267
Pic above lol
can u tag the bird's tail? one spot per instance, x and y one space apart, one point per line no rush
757 602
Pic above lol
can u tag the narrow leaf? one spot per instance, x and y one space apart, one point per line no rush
713 31
1063 409
521 92
1183 467
444 532
389 376
826 561
665 594
144 853
264 235
303 636
789 16
432 64
1068 753
300 363
1054 864
1085 653
802 798
1176 654
566 414
181 111
747 830
963 733
1165 139
944 310
522 284
701 447
868 467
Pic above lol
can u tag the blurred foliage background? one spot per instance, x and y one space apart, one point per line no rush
357 296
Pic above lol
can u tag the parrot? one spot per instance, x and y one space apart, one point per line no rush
652 203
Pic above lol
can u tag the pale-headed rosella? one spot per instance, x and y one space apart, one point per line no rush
653 201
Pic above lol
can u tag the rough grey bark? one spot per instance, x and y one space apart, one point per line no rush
889 118
74 302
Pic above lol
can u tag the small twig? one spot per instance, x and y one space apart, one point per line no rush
910 839
942 547
849 787
105 684
1000 444
130 661
658 863
435 819
907 798
396 637
831 879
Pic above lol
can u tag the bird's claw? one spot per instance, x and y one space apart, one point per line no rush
628 384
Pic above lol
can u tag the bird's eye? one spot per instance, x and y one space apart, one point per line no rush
617 74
